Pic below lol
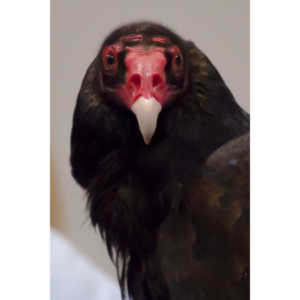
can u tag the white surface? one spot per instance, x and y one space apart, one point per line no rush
74 277
146 112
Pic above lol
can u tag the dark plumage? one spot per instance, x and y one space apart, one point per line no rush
132 187
203 244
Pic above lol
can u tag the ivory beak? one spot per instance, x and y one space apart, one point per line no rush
146 112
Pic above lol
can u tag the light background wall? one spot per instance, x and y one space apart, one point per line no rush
219 27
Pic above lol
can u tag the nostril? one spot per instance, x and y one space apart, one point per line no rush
156 80
136 80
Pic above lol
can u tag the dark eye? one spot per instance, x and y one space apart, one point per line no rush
110 59
178 60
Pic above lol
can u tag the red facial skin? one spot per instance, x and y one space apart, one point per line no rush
160 39
145 75
132 38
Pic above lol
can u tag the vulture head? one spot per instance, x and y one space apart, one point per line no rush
143 70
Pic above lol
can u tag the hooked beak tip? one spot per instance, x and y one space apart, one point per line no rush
146 111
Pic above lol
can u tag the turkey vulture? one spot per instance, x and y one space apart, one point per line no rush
158 142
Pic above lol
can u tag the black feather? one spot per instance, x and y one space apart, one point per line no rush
203 248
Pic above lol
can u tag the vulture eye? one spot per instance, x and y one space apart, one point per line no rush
178 60
110 59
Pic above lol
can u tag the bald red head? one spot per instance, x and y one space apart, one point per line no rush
147 67
139 68
145 76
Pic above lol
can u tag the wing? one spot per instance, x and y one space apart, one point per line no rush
203 246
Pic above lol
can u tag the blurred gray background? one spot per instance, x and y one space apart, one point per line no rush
219 27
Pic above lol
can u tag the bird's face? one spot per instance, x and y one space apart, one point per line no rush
144 74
